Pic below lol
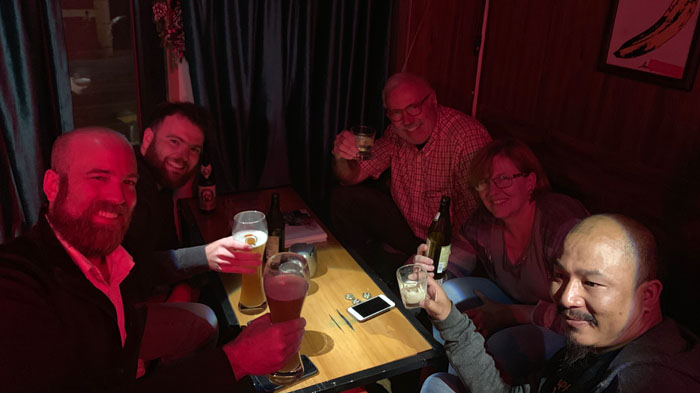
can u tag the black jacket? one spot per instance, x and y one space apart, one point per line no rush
59 333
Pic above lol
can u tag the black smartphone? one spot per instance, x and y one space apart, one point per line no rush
262 384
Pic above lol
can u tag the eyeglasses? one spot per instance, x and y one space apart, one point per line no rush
501 182
413 110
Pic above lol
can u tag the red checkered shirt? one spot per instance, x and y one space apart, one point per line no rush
419 178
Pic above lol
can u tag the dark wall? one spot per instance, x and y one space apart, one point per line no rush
619 145
435 39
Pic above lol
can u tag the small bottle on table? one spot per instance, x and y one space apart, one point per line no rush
206 186
275 228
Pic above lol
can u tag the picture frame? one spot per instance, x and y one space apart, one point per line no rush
653 41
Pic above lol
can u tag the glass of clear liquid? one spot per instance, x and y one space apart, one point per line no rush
413 283
364 139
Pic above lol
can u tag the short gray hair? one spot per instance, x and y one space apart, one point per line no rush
401 79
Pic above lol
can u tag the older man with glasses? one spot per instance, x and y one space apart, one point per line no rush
429 148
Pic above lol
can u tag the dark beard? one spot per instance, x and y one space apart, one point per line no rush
163 176
90 239
575 353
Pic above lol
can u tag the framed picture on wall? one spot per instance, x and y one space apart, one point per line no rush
653 40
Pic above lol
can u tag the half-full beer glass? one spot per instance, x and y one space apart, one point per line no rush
364 139
286 281
250 227
413 284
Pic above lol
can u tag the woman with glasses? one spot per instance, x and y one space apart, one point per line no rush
517 234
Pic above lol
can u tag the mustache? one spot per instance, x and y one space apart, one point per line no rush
408 127
577 315
120 209
178 160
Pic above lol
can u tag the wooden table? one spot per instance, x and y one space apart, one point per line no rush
346 356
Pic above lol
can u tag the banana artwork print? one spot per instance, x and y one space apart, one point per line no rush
671 22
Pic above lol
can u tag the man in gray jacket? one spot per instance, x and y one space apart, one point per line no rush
607 291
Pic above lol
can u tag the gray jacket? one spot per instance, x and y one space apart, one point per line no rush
666 358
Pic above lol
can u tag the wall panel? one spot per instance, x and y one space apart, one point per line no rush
444 33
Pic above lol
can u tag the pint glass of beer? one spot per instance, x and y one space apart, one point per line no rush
250 227
286 281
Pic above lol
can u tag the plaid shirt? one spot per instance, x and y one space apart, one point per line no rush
420 177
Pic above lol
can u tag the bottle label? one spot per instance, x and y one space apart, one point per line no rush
207 198
444 258
273 246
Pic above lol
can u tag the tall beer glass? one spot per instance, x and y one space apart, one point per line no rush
286 281
250 227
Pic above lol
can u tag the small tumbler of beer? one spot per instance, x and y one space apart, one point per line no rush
250 227
364 139
286 282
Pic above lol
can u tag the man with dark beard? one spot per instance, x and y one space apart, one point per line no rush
167 160
607 291
71 312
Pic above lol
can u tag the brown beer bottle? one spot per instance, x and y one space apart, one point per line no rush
275 228
206 186
440 239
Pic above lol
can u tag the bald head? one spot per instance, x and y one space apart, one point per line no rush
67 145
634 240
91 189
405 79
605 284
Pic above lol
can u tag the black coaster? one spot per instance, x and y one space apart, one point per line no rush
262 384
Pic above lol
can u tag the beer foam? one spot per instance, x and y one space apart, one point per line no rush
253 237
412 292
